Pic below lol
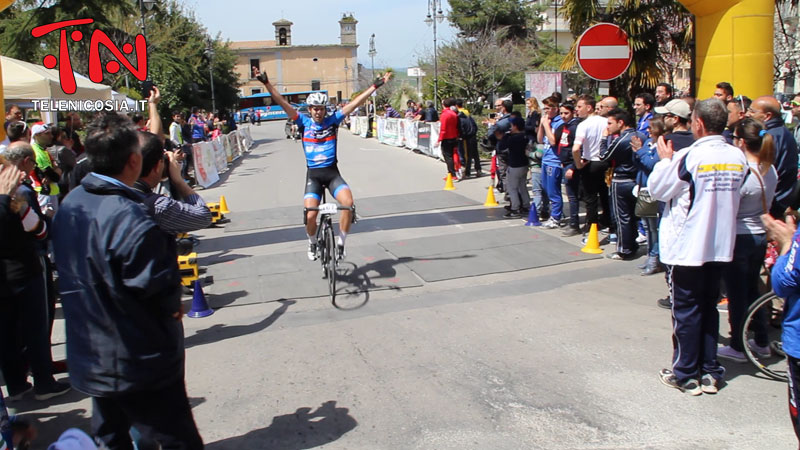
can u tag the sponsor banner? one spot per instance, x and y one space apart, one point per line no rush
363 126
205 169
247 137
381 125
220 159
410 133
391 132
226 146
424 137
436 149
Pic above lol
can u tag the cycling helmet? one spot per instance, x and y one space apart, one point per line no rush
317 99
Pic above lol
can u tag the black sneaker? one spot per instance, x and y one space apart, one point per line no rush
709 384
691 386
569 232
512 214
50 390
340 253
312 252
665 303
17 394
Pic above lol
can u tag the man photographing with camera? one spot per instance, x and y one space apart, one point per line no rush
185 211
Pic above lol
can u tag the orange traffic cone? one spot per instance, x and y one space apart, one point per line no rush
199 304
592 243
448 185
223 205
490 200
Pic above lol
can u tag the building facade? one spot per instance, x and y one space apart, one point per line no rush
292 68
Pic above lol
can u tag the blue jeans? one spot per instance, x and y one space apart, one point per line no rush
551 179
741 278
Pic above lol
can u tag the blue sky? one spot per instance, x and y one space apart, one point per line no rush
401 34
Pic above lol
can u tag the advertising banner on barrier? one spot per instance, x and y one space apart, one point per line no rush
354 125
247 137
410 130
424 137
363 126
235 145
205 170
381 126
391 132
226 145
436 149
220 159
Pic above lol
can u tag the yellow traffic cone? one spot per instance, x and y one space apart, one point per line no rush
592 244
490 200
448 185
223 205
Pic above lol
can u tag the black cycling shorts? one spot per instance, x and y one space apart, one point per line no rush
326 177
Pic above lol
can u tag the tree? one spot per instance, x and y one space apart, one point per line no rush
479 67
475 18
650 24
786 43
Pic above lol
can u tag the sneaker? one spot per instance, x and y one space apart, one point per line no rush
616 256
691 386
14 394
708 384
612 238
312 252
777 348
606 230
641 239
551 224
665 303
340 253
729 353
512 214
51 390
569 232
762 352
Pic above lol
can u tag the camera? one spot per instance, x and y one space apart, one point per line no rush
492 115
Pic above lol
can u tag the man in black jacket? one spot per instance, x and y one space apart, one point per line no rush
768 110
120 289
619 152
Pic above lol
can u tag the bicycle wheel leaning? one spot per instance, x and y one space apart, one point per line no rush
330 249
762 325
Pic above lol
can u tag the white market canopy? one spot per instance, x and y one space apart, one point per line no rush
25 81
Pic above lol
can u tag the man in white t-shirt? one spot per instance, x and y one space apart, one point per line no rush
586 153
700 187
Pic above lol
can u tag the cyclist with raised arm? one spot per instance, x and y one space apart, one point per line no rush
319 144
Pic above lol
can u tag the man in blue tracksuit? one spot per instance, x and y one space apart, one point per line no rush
786 284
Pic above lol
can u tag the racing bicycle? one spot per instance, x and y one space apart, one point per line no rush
327 250
764 316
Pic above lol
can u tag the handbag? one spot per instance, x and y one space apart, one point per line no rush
646 206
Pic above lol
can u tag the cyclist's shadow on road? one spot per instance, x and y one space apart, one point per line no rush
354 283
300 430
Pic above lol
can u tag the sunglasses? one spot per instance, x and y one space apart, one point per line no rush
795 103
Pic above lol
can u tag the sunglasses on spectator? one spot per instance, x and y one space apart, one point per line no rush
795 103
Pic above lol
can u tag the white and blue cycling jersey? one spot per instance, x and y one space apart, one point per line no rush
319 139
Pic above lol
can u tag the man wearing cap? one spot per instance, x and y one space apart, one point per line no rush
768 110
46 172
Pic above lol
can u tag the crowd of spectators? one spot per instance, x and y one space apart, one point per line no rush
124 184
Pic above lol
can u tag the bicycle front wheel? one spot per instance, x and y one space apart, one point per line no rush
762 325
330 249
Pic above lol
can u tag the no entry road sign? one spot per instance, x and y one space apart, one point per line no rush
603 52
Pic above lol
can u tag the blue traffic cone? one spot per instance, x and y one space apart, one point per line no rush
533 217
199 304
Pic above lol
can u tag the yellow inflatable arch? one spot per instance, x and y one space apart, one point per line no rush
733 39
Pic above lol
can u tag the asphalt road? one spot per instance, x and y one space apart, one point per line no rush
556 357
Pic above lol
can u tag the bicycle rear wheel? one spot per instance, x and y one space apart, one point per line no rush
330 249
763 319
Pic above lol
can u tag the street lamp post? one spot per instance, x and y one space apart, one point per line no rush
435 15
142 5
210 53
372 53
